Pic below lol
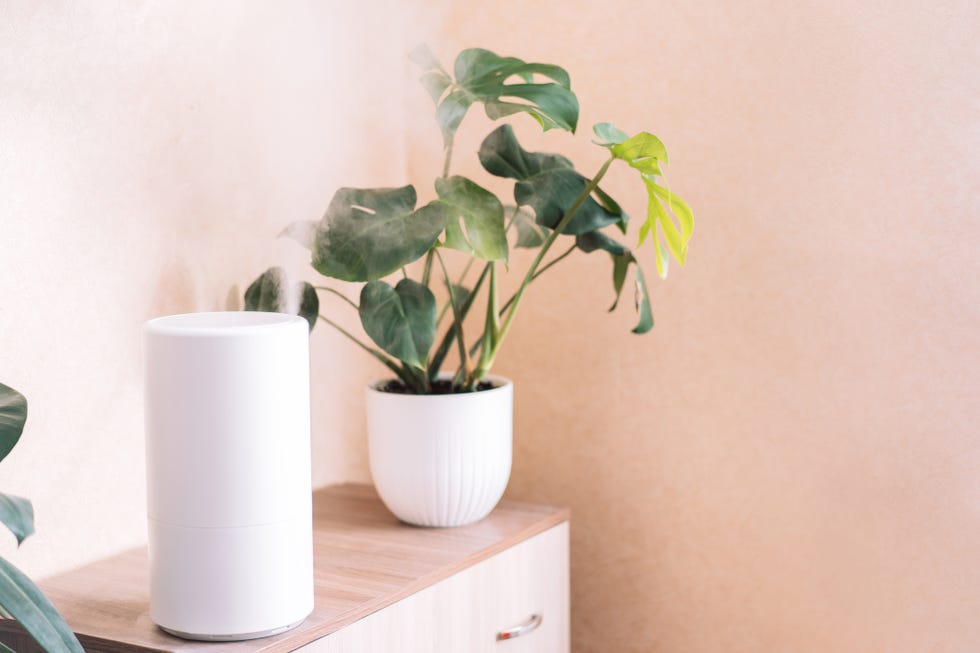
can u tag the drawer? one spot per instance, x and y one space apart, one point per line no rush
465 612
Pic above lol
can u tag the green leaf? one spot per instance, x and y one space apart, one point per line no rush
482 217
13 414
622 259
269 293
501 155
593 240
609 134
22 599
461 293
545 182
529 233
642 301
400 320
621 265
435 79
677 206
422 56
644 152
612 206
17 514
451 111
482 76
369 233
436 82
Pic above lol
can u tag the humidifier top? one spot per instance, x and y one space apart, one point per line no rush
222 323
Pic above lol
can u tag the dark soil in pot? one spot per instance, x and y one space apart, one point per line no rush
440 387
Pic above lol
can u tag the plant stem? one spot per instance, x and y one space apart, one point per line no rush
491 330
389 363
552 237
427 268
459 282
464 356
339 294
449 157
436 363
510 301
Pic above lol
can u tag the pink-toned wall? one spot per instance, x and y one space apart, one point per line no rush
790 461
149 155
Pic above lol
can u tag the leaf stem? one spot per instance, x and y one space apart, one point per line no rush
544 269
491 330
339 294
552 237
459 283
427 268
436 363
389 363
464 356
510 301
449 157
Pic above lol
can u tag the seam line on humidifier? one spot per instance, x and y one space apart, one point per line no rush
212 528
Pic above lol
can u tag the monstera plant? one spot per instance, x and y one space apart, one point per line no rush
20 599
368 234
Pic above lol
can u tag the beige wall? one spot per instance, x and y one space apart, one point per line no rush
789 462
149 155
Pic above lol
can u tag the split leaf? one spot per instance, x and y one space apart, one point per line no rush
504 85
547 183
368 233
476 219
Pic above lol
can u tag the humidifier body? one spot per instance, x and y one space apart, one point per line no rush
228 473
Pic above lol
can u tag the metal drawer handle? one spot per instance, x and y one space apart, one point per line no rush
523 629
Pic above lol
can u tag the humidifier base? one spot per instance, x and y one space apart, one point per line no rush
232 638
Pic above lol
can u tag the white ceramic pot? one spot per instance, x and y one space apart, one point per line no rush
441 460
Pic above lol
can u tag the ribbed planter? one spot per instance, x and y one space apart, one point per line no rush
441 460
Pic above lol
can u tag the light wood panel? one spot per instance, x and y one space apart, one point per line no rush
364 559
464 613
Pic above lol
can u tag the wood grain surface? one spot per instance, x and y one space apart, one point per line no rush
364 559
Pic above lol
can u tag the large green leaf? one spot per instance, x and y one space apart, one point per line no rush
368 233
269 293
476 219
401 320
13 414
547 183
17 514
645 152
505 86
622 259
529 233
22 600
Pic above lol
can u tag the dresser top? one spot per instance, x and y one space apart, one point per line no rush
364 560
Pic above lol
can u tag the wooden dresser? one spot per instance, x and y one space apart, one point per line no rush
499 585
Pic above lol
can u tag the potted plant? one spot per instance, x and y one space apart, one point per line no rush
440 442
20 599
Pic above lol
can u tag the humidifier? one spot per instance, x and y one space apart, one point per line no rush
228 473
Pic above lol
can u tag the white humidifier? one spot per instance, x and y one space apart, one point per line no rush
228 474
